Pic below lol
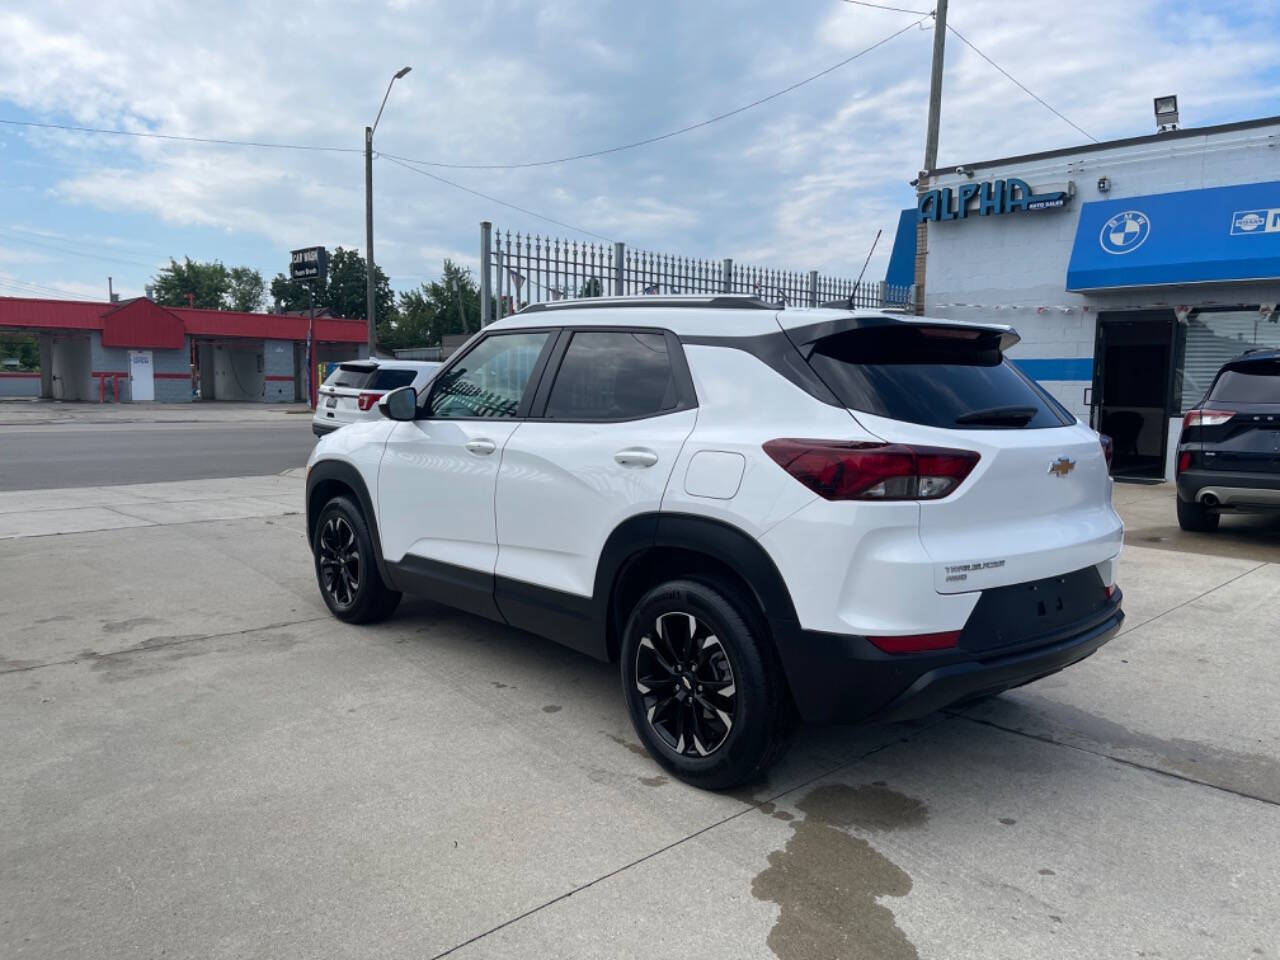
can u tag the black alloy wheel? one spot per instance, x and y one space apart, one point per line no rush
686 682
346 565
702 682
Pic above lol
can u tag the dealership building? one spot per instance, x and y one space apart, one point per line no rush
138 351
1132 269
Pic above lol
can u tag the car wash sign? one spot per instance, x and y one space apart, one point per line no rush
985 199
311 264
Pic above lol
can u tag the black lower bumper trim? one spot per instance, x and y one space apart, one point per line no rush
323 429
835 678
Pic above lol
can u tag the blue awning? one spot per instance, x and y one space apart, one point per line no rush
1219 234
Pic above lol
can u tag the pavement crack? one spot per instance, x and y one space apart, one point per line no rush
1126 761
1199 596
752 806
148 646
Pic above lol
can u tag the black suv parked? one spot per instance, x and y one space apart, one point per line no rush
1229 452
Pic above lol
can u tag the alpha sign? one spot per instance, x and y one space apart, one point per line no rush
987 198
311 263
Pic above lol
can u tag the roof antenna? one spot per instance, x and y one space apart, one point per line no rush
857 283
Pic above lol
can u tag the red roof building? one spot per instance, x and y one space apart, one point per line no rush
139 350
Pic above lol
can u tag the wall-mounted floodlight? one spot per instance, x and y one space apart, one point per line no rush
1166 113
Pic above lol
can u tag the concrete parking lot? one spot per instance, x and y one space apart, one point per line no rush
199 762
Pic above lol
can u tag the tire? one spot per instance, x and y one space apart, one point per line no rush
1195 518
725 669
346 567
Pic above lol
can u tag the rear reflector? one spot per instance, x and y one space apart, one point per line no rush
1206 418
1111 591
917 642
1184 460
366 400
1108 447
858 470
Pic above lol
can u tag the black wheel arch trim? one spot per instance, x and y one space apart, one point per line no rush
348 476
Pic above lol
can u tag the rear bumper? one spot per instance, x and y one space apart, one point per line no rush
323 429
845 679
1230 489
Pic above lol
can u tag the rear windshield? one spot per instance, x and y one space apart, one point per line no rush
391 379
354 375
1256 382
936 376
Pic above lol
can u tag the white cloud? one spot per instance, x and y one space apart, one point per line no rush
803 182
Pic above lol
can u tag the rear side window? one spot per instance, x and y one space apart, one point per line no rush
354 375
936 376
391 379
613 375
1256 382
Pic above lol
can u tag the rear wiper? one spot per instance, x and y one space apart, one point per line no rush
999 416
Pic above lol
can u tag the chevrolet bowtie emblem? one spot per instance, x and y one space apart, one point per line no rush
1062 466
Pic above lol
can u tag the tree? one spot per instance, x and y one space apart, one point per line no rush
209 283
247 290
427 314
288 295
591 288
24 346
346 295
212 285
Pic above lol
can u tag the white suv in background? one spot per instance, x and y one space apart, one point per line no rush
759 512
350 392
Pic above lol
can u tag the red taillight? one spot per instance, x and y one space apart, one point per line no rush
857 470
917 642
366 400
1111 591
1108 447
1184 460
1206 418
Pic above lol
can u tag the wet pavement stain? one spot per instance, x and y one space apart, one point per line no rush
120 626
1008 821
552 708
1253 774
635 748
827 881
657 781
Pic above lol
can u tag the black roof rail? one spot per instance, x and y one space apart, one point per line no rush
724 301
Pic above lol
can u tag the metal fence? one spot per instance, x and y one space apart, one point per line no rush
518 269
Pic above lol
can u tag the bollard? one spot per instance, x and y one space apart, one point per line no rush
115 389
102 389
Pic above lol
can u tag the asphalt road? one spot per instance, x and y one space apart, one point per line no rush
65 455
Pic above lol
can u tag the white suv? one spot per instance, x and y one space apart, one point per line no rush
350 392
760 512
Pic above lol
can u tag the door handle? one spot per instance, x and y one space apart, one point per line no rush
636 457
481 446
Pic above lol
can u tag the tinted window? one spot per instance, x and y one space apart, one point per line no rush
613 375
1257 382
354 375
490 380
937 376
391 379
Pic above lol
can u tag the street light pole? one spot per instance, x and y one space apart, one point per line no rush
371 299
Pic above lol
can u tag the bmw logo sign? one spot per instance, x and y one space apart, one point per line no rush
1125 232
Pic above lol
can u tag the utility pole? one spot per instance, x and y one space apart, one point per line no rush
370 298
371 301
935 85
462 317
930 144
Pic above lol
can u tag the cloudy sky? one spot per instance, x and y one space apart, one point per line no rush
801 182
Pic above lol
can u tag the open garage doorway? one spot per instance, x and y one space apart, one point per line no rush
72 368
229 370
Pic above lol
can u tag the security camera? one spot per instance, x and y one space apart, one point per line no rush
963 172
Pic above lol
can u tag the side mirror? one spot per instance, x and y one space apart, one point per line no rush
400 404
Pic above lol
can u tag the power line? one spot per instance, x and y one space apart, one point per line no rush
671 133
77 253
147 135
961 37
883 6
503 203
488 165
25 287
